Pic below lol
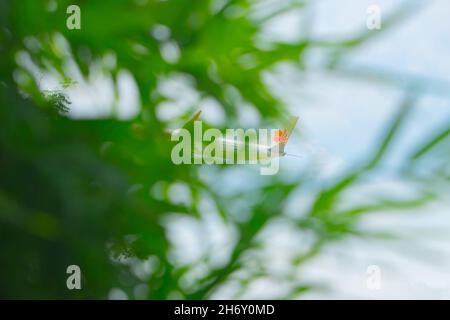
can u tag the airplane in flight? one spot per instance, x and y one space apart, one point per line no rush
239 146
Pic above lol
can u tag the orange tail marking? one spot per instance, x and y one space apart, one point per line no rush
281 136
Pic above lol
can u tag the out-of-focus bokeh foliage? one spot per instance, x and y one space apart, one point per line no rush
97 192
